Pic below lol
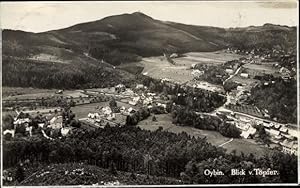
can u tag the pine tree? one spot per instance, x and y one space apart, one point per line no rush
20 173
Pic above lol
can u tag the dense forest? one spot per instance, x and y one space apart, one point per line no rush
185 117
26 73
279 99
156 153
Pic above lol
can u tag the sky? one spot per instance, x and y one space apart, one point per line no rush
45 16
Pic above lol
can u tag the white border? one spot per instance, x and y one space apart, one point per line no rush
187 185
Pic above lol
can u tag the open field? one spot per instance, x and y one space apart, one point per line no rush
213 137
81 111
263 68
158 67
213 58
13 93
47 58
165 121
247 147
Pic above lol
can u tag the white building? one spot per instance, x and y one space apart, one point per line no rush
140 86
197 73
56 122
9 131
106 110
65 131
272 132
244 75
134 101
249 132
93 115
229 71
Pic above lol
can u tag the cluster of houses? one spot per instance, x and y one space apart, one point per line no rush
53 121
285 73
243 123
105 115
280 134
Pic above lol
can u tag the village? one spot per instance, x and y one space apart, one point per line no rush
112 106
121 102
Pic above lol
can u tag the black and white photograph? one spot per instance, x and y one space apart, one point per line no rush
149 93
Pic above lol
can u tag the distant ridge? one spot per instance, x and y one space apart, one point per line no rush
125 38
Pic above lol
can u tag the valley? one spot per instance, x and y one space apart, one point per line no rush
130 99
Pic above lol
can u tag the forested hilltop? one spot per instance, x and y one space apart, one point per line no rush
117 40
155 154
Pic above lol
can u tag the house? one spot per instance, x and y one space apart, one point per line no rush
131 110
29 129
140 86
147 101
9 131
21 121
244 75
240 88
229 71
165 80
284 70
134 101
289 147
288 136
111 116
93 115
243 126
249 132
106 110
173 55
197 73
128 92
162 105
120 88
59 92
41 125
267 125
283 130
64 131
55 122
272 132
278 137
277 126
151 94
122 109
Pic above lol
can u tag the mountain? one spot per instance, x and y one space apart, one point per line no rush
118 40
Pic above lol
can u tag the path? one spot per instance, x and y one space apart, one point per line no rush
231 76
221 145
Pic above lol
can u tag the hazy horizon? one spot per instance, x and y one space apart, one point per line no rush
45 16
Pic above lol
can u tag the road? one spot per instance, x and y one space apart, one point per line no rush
236 72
